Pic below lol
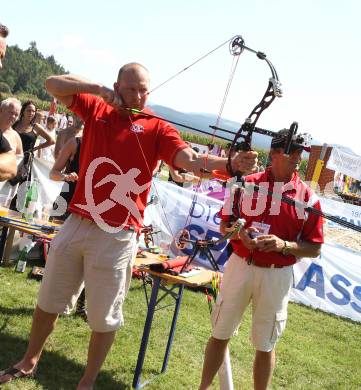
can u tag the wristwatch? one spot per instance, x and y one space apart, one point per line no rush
286 248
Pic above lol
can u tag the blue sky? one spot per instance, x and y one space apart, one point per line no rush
313 44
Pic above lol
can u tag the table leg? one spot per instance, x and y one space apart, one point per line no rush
8 245
172 329
4 235
146 332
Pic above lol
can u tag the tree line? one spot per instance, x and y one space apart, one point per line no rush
25 71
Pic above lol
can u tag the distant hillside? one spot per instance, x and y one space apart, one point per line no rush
25 71
202 121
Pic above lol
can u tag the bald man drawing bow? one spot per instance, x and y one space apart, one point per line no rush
115 142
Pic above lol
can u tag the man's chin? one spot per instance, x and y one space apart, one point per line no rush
138 107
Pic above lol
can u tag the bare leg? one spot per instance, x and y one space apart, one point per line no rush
43 324
263 366
214 357
99 346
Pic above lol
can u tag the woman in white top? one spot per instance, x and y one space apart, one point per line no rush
48 153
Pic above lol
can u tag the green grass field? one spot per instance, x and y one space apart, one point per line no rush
317 351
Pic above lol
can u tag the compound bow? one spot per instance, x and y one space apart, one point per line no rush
242 141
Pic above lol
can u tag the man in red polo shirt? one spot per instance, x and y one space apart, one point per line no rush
275 235
98 241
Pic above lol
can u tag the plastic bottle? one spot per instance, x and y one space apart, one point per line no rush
21 263
25 244
31 199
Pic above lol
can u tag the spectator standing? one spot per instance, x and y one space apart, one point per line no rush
63 122
261 267
48 153
29 128
64 135
9 112
7 155
4 32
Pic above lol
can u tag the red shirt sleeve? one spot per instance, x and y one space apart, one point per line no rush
84 105
313 228
170 143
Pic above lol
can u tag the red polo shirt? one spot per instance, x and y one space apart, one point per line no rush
286 221
118 156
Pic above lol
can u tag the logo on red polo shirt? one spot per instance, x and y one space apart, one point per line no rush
136 128
125 184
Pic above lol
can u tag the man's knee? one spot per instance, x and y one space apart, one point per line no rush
103 324
265 360
218 343
265 354
44 315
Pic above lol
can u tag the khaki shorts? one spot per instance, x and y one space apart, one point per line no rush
267 288
82 253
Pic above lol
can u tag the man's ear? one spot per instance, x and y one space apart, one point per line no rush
272 152
118 94
276 151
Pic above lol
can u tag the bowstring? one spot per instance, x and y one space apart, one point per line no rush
219 117
189 66
218 120
151 175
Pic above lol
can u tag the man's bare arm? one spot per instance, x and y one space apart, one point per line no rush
8 166
272 243
176 176
245 162
19 144
65 86
66 152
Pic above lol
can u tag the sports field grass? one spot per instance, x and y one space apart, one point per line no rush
317 351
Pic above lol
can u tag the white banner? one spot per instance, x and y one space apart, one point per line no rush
346 211
177 209
331 283
346 163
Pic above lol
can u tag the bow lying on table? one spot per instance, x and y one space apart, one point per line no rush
47 229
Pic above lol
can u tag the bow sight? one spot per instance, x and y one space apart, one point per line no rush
289 140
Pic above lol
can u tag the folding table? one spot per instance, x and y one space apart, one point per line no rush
172 286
